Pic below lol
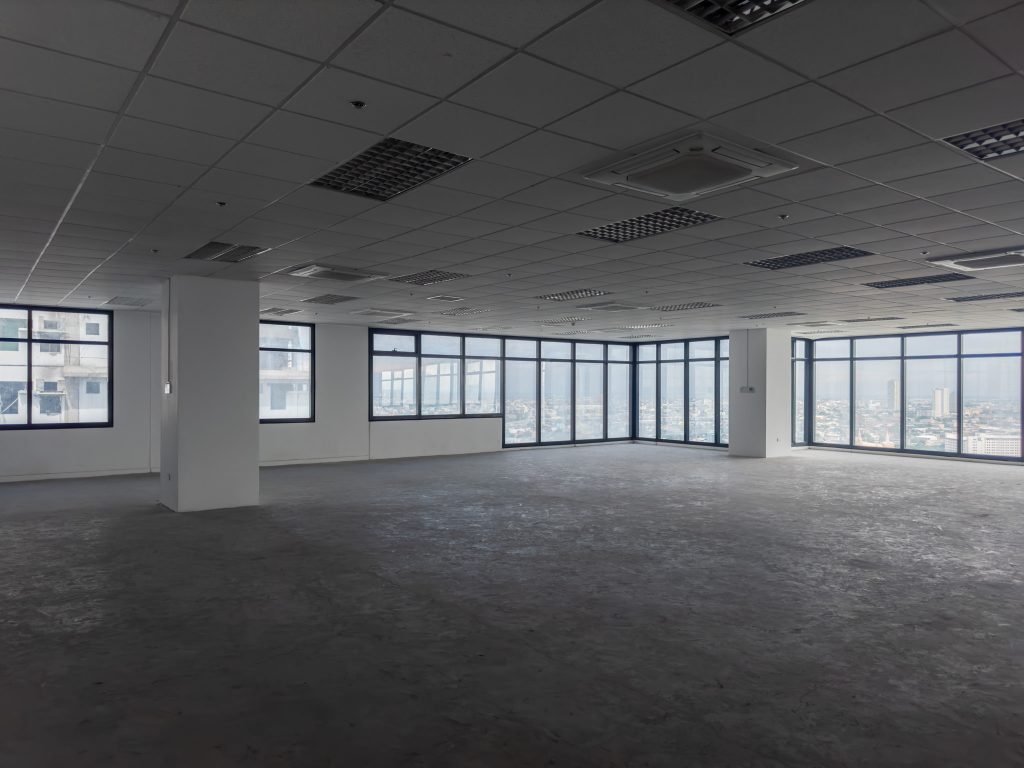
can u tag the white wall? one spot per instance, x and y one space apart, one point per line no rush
759 419
433 437
131 445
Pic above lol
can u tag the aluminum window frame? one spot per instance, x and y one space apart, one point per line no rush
312 371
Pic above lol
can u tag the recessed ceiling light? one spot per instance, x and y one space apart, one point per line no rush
428 277
577 332
924 280
389 168
398 321
328 298
229 252
767 315
639 326
684 307
639 336
648 225
810 257
279 311
566 320
987 296
734 16
575 295
993 142
464 311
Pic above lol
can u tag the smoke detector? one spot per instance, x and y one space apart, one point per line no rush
694 165
979 261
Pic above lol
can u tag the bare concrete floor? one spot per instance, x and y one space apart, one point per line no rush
605 606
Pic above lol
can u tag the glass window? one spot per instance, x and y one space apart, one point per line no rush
673 351
647 401
799 402
482 346
723 405
831 348
556 402
560 350
69 326
58 393
931 404
878 403
991 405
520 348
647 352
673 401
520 401
618 353
282 336
881 347
800 348
619 401
832 402
589 401
944 344
394 386
991 343
702 401
483 386
590 351
286 372
702 349
440 345
14 384
389 342
440 379
723 348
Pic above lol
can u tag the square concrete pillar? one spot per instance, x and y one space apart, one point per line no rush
210 417
760 393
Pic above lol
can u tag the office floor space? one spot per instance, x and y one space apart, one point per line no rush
588 606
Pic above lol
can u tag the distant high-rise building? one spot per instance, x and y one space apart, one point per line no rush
940 403
892 394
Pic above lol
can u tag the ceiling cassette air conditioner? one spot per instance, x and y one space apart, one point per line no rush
694 165
979 261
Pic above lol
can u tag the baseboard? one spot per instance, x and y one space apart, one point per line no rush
323 460
75 475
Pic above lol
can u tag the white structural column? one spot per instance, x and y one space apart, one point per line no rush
210 437
760 375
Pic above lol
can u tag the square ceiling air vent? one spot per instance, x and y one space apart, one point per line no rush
987 296
389 168
734 16
398 321
465 311
993 142
981 261
579 293
445 298
871 319
279 311
127 301
229 252
341 274
769 315
381 313
684 307
328 298
810 257
924 280
428 277
566 320
648 225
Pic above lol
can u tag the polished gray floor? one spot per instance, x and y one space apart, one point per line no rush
604 606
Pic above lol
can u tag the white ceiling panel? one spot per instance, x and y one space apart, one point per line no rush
264 161
168 141
510 23
461 130
548 154
53 118
863 138
186 107
310 136
797 112
621 121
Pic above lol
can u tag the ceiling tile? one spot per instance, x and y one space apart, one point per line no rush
547 153
962 11
313 30
621 121
930 68
462 130
310 136
263 161
796 112
122 162
913 161
186 107
53 118
505 212
981 105
602 42
46 149
435 58
510 23
859 199
488 179
532 91
429 197
736 203
952 180
558 195
168 141
245 184
804 186
863 138
1000 33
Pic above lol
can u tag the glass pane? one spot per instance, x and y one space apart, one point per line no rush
14 382
931 398
69 383
723 396
618 401
673 351
673 401
556 401
800 348
931 345
885 347
391 342
13 325
702 401
618 352
879 402
560 350
440 378
701 349
799 384
647 401
832 402
647 352
440 345
82 326
520 348
991 403
394 386
723 348
988 343
589 401
285 385
590 351
483 388
483 347
832 348
285 336
520 401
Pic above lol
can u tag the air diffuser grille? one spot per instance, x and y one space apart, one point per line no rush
428 277
987 296
328 298
577 332
734 16
871 319
640 336
768 315
648 225
127 301
925 280
684 307
279 311
229 252
389 168
640 326
398 321
464 311
810 257
992 142
579 293
566 320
